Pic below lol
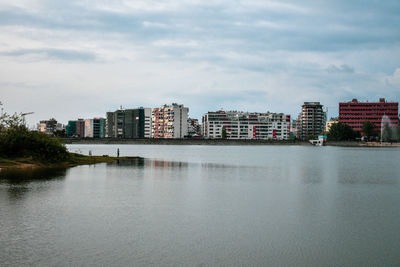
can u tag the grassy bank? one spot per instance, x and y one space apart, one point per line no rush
74 160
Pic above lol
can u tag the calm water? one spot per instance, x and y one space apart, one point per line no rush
207 206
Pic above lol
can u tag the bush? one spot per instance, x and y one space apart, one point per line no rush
18 141
342 132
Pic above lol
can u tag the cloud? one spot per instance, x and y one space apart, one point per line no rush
340 69
58 54
251 55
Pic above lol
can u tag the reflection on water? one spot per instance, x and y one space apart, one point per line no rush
141 162
21 176
18 182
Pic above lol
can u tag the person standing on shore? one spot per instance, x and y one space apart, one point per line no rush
117 152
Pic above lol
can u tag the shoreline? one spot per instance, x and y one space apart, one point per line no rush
218 142
76 160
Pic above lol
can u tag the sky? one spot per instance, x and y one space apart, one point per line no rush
79 59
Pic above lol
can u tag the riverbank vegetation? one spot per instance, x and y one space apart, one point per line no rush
22 148
342 132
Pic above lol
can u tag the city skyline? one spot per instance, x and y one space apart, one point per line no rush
81 59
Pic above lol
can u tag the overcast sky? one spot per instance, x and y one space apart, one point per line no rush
69 59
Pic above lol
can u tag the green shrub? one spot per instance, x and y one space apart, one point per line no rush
342 132
18 141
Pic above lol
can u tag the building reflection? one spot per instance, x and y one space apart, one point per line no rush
141 162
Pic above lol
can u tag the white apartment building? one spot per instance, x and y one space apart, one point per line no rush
245 125
147 122
89 128
169 121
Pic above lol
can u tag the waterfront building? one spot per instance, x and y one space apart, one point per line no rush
137 123
194 128
115 124
311 120
329 123
70 129
129 123
89 128
80 128
169 121
246 125
95 128
49 126
355 113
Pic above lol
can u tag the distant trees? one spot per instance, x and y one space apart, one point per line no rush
368 130
9 121
311 137
223 133
342 132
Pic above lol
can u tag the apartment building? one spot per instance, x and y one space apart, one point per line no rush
194 128
169 121
129 123
95 128
245 125
311 120
354 113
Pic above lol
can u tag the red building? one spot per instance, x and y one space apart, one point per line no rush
354 113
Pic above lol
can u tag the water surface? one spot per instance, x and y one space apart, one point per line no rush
207 206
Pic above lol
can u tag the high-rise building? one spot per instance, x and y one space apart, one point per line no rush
80 128
311 120
89 128
355 113
169 121
194 128
70 129
129 123
245 125
136 123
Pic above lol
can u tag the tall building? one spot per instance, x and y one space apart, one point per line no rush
194 128
169 121
245 125
70 129
80 128
137 123
129 123
311 120
115 124
89 128
354 113
95 128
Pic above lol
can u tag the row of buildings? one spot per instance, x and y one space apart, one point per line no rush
312 119
172 121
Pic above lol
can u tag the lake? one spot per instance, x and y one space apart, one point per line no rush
207 206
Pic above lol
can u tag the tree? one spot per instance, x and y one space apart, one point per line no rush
10 121
17 141
311 137
341 132
368 129
223 134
